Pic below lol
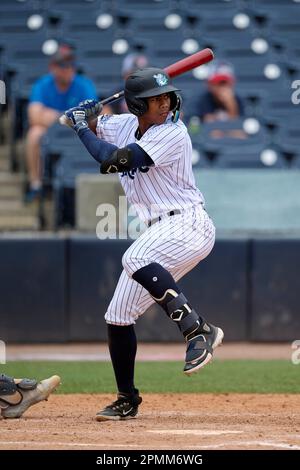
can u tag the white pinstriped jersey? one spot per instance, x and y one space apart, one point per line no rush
170 183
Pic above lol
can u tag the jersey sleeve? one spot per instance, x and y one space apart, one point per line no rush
164 144
111 126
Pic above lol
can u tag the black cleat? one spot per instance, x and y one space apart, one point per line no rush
125 407
200 348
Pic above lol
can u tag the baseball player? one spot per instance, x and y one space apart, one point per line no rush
17 395
151 150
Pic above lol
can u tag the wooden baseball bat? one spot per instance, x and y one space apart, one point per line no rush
173 70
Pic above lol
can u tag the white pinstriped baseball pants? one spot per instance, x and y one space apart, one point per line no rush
178 243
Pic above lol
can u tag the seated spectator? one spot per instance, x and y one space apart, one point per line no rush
51 95
220 102
131 62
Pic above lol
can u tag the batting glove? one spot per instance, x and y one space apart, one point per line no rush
76 118
92 108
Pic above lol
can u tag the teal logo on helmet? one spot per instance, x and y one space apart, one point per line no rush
161 79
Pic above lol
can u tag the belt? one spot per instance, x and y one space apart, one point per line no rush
169 214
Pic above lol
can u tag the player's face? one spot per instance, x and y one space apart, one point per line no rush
158 108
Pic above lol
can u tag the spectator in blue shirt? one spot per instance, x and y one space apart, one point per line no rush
52 94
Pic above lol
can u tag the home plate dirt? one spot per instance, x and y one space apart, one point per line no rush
165 421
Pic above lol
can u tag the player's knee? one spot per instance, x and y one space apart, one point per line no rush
128 264
35 133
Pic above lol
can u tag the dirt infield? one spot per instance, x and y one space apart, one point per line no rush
169 421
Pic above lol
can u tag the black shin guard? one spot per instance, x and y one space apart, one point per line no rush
186 318
164 290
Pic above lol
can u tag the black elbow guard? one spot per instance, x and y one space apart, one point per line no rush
120 160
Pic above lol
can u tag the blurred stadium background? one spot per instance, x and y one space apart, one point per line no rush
56 276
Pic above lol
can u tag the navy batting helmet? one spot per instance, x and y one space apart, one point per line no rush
145 83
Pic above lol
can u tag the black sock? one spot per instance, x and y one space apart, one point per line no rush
122 347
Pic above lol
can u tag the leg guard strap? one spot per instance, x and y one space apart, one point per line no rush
176 304
187 320
27 384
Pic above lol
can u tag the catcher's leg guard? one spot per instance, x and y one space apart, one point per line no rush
9 394
17 395
201 337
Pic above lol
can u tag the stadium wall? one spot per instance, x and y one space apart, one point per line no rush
56 289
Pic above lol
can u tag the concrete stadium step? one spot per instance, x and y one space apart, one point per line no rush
20 222
16 207
4 165
10 205
11 191
8 178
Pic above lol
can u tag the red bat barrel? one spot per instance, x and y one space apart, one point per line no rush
190 62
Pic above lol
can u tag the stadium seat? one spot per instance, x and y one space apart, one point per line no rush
243 47
272 3
26 73
280 105
67 169
78 23
287 138
54 144
284 21
289 132
296 162
143 8
17 6
95 46
105 69
82 7
207 129
161 38
208 7
213 148
216 24
72 164
247 157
